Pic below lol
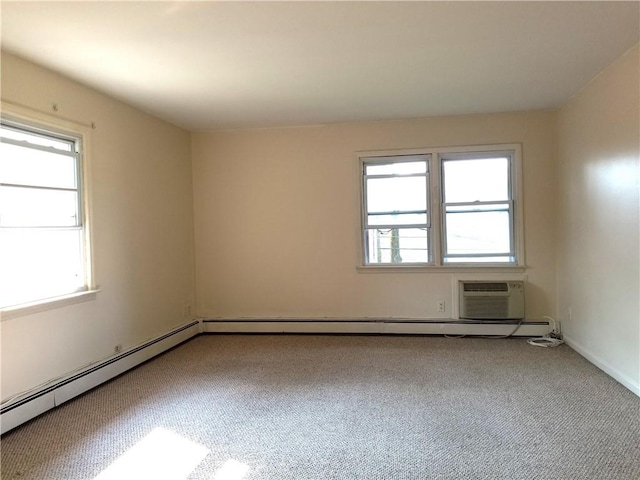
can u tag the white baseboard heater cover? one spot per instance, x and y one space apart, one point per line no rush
375 326
32 404
491 300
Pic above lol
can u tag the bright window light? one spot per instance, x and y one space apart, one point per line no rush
395 201
443 206
42 227
476 180
478 209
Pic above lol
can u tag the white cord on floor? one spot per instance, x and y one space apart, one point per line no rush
552 339
545 341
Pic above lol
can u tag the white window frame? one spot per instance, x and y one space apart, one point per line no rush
436 206
382 160
30 120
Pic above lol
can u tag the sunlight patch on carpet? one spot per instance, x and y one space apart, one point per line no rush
231 470
162 454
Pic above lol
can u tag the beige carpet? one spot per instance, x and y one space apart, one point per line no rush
341 407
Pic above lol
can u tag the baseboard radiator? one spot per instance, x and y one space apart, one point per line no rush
377 326
29 405
33 403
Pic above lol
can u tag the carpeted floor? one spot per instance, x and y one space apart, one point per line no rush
341 407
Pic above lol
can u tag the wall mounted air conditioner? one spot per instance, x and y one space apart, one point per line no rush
491 300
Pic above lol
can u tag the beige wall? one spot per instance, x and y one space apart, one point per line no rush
277 218
142 231
598 241
277 223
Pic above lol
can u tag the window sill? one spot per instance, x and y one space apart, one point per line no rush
440 268
47 304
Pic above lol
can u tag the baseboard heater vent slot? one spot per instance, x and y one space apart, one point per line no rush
382 326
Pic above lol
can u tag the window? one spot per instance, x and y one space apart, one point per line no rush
42 227
442 207
478 208
396 219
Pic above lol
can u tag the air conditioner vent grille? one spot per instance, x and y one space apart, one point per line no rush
491 300
486 308
486 287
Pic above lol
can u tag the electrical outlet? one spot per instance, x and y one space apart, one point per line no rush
117 348
441 305
186 312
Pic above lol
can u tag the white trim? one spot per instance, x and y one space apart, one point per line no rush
518 198
39 115
516 219
484 269
372 326
27 405
81 132
434 209
47 304
630 383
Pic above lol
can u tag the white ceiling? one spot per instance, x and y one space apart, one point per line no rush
213 65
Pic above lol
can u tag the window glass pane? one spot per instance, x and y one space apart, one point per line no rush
482 207
478 233
39 263
43 141
25 166
398 219
482 180
397 245
34 207
497 259
397 194
396 168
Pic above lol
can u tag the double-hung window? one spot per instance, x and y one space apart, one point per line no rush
442 207
477 208
42 226
396 217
